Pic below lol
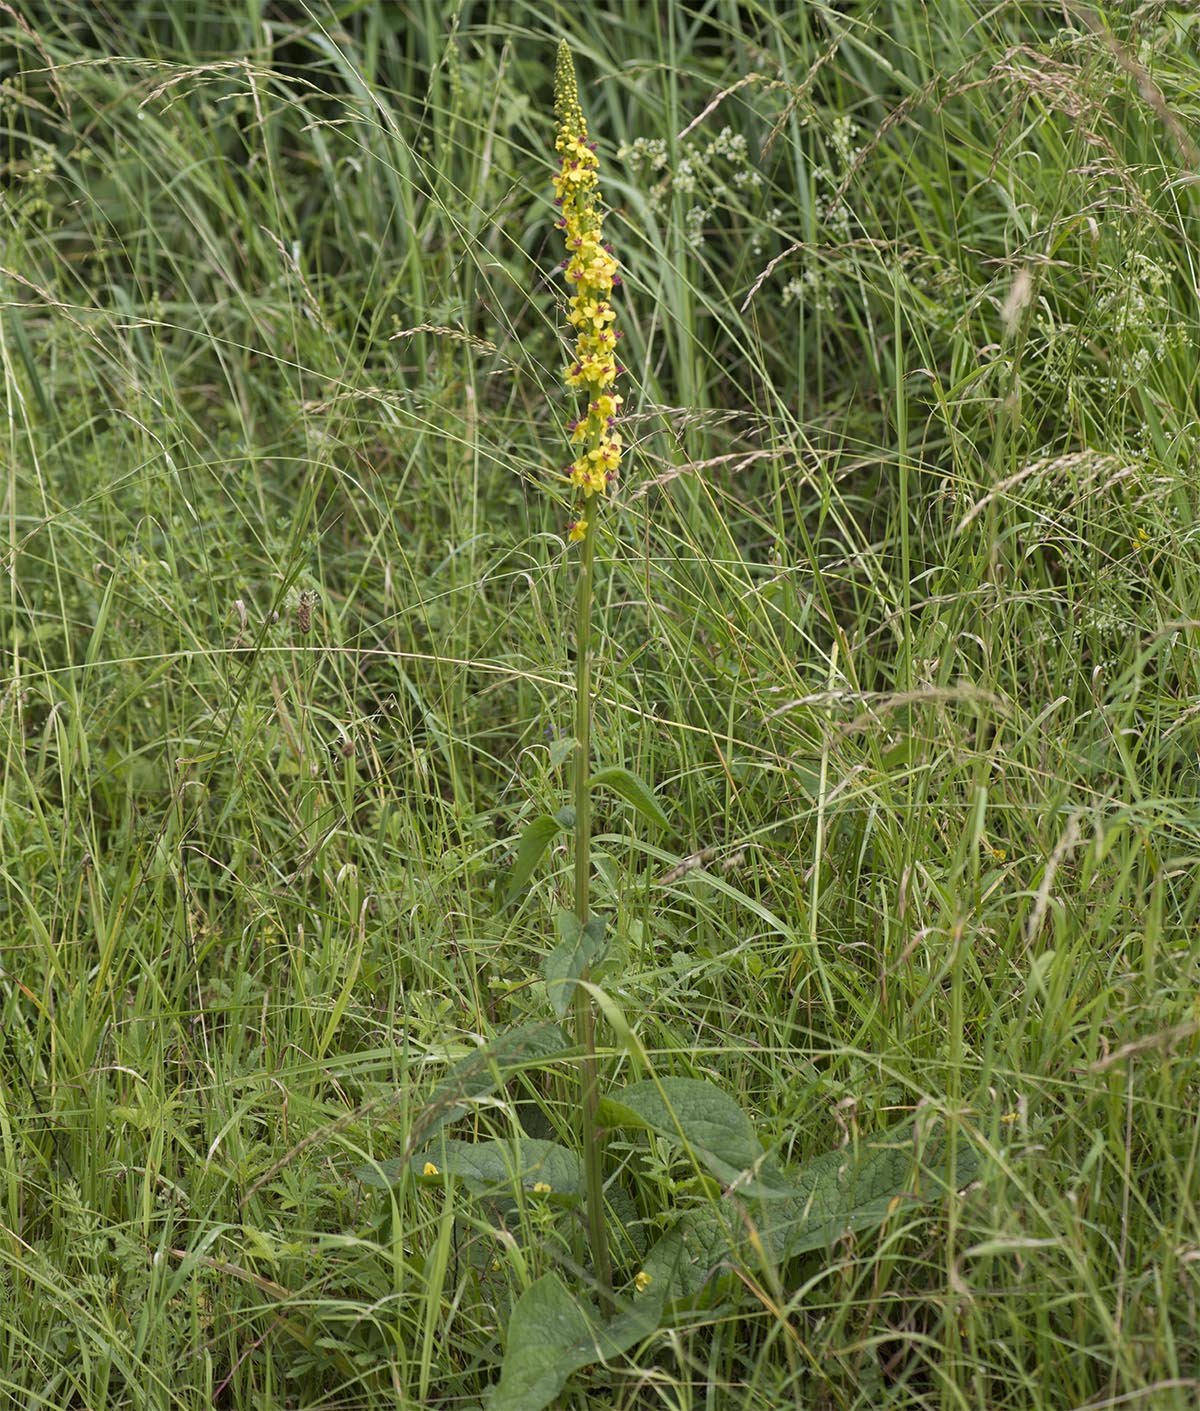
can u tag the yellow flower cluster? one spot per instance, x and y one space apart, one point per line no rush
591 270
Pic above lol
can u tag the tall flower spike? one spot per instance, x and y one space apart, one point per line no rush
591 272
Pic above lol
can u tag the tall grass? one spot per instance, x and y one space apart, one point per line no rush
900 613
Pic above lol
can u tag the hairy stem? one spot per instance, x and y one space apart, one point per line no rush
585 1022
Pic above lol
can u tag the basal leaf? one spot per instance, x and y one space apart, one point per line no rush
633 790
625 1225
546 1324
683 1263
845 1190
473 1077
850 1189
855 1189
551 1334
691 1111
493 1167
481 1072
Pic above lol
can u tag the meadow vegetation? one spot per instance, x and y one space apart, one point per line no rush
896 612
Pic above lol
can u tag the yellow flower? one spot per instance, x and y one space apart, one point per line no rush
430 1169
582 474
593 267
542 1188
593 313
642 1281
591 370
608 453
577 531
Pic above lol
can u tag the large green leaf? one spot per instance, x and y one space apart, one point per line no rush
552 1334
851 1189
690 1256
471 1078
693 1112
493 1167
578 948
545 1326
633 790
857 1188
845 1190
627 1230
482 1072
535 839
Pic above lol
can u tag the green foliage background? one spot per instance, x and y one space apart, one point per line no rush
898 615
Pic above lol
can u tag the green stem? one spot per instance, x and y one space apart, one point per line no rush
585 1021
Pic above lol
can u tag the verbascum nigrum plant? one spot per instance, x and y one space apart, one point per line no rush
741 1214
591 270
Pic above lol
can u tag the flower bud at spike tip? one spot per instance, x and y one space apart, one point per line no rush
591 271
